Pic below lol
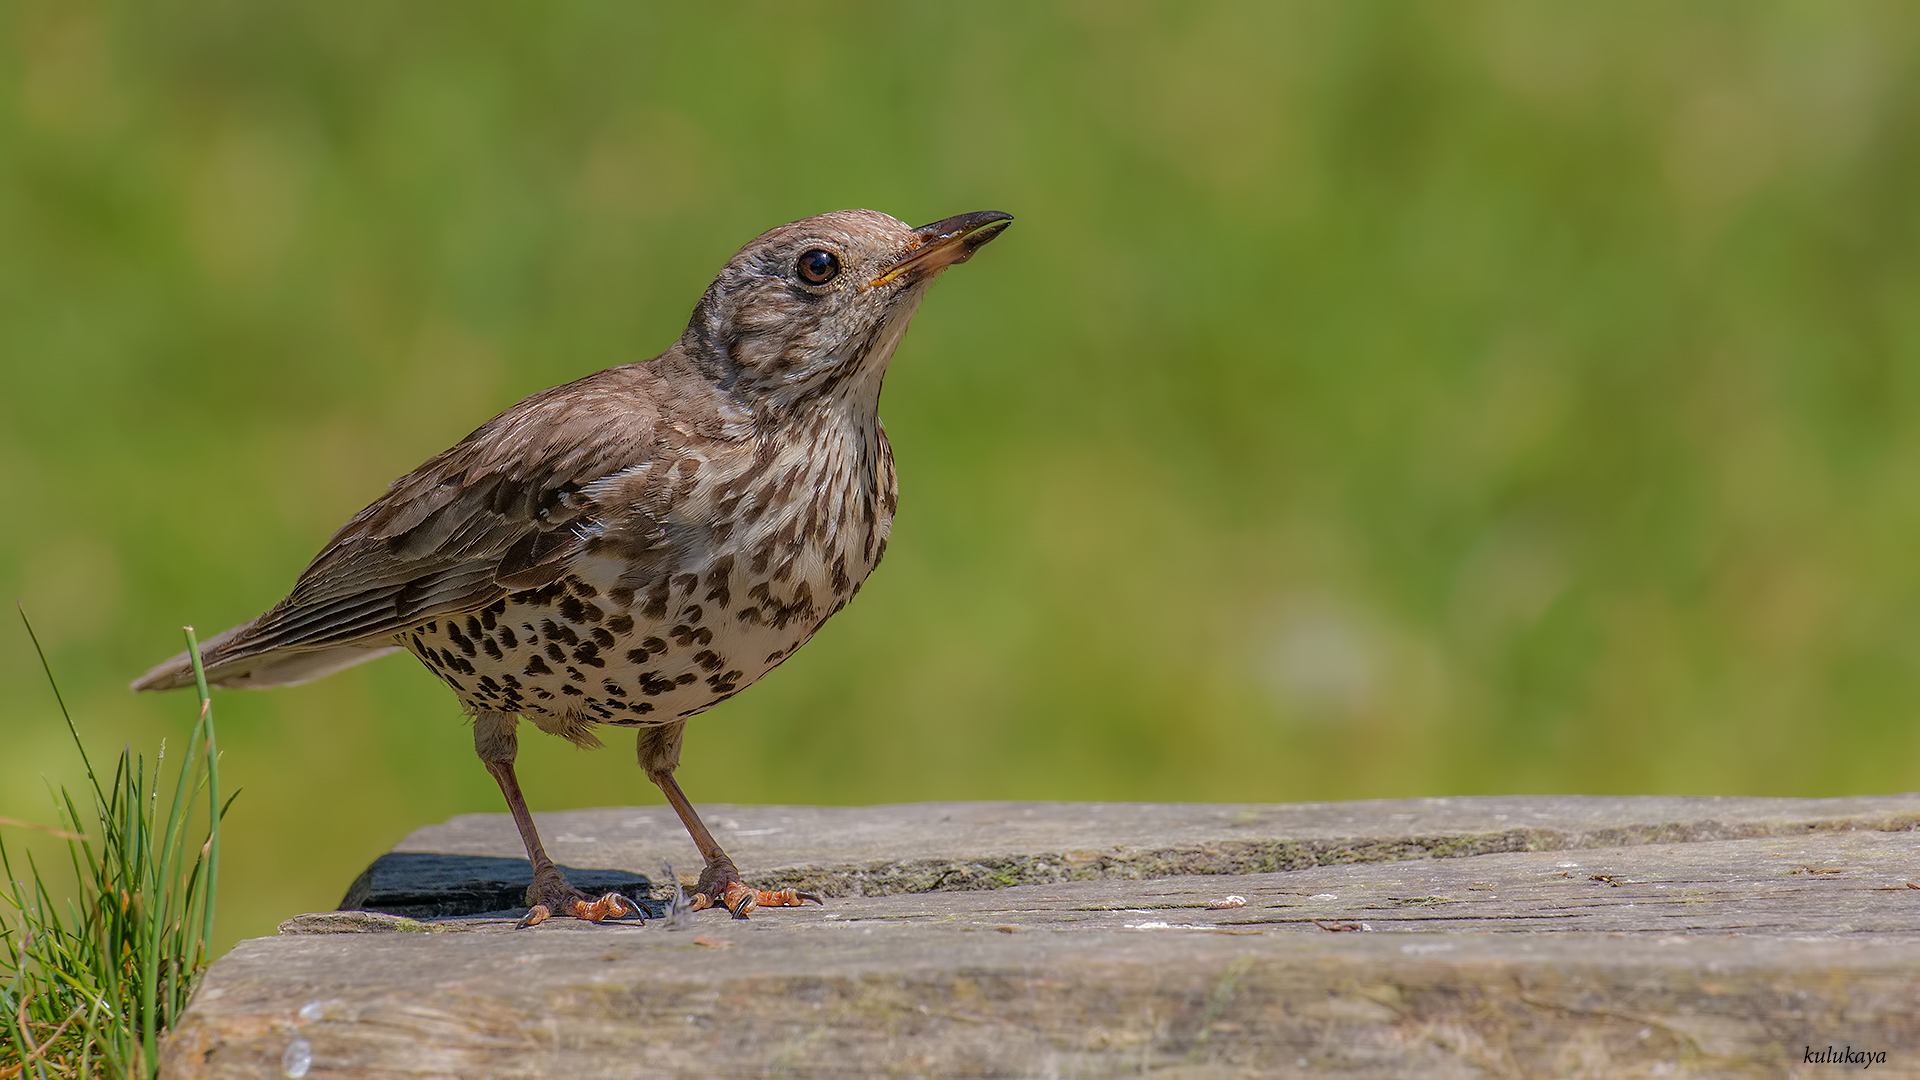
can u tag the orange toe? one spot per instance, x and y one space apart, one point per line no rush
785 898
612 905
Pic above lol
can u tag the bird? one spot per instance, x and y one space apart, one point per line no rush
637 546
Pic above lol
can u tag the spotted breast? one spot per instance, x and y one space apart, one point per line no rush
772 535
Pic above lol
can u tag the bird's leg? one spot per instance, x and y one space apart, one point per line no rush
720 882
494 740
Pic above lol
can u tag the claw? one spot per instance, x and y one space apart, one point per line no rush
735 897
544 903
612 905
739 900
720 886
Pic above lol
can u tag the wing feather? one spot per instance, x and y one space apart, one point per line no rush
503 510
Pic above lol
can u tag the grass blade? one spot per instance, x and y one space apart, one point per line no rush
90 983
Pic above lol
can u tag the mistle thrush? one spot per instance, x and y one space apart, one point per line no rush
640 545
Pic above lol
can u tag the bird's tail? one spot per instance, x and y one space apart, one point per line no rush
230 662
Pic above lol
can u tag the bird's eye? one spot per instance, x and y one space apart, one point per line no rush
817 267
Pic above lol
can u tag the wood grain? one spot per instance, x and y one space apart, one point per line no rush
1599 937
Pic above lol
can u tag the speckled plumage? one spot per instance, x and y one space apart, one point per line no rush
775 535
639 545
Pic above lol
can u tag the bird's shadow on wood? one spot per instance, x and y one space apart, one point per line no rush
432 885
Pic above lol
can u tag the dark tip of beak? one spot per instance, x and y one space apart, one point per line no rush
973 230
948 242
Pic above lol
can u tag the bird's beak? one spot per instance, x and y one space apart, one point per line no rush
947 243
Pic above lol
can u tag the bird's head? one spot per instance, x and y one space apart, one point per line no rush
820 304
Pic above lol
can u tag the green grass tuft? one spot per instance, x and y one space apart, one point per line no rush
90 983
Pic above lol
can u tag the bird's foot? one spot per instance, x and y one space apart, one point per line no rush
548 896
720 886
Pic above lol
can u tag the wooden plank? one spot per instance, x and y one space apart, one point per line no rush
1685 954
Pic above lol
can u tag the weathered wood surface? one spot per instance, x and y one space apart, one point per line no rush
1553 937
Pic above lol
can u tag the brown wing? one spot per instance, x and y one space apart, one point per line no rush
495 514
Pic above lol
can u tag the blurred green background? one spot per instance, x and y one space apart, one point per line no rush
1370 400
